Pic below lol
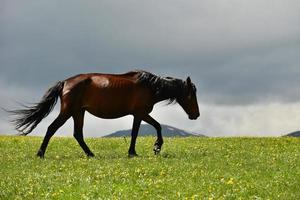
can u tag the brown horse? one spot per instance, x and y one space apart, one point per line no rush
108 96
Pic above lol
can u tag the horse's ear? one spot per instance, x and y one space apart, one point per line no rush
188 80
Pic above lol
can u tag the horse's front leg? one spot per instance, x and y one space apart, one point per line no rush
159 141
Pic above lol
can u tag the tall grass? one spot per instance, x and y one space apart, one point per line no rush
187 168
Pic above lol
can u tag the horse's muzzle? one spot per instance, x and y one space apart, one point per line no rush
194 117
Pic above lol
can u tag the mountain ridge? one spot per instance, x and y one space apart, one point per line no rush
148 130
293 134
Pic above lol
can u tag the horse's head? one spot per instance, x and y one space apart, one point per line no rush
188 99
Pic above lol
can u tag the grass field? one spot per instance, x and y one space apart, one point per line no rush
187 168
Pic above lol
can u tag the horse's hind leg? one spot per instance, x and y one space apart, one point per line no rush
134 134
78 133
56 124
159 141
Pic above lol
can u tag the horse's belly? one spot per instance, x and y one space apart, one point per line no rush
109 108
107 114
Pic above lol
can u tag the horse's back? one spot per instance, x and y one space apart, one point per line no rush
101 80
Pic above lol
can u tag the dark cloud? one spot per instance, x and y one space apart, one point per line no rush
242 55
237 53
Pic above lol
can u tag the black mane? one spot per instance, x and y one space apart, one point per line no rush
166 88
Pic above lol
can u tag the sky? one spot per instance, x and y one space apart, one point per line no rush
243 57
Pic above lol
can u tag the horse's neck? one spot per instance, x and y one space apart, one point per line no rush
168 91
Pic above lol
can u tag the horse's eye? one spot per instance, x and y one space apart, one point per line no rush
189 97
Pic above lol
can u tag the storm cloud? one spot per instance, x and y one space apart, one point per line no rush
240 54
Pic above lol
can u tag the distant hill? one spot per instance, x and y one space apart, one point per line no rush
294 134
147 130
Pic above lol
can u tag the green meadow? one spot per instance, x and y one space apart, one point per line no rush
187 168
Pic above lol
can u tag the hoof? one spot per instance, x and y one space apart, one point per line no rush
40 154
156 149
132 155
90 155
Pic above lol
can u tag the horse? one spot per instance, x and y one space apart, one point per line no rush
107 96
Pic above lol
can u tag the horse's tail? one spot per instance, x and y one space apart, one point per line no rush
29 117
